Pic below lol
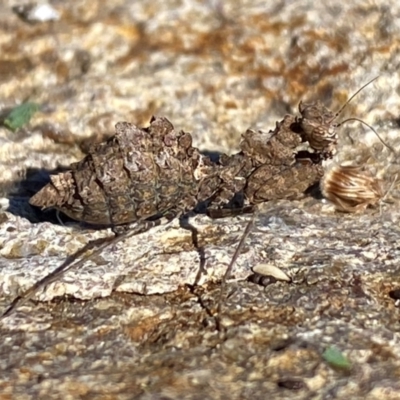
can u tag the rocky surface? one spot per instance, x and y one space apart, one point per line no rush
130 323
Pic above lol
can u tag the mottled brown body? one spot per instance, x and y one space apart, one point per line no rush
318 127
148 173
269 167
135 175
288 175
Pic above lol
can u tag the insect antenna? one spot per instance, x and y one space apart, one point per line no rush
358 119
372 129
352 97
383 199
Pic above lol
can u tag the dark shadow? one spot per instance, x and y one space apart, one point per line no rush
230 212
19 193
396 122
214 156
314 191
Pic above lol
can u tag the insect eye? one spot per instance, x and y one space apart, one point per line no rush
331 131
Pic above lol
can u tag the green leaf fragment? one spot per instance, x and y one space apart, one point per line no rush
20 115
335 358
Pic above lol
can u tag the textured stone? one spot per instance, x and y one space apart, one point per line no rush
215 69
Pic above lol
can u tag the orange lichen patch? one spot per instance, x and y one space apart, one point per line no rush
23 33
105 331
14 67
249 46
381 352
56 133
143 115
291 360
102 124
287 316
301 76
230 41
84 13
386 48
130 31
383 49
380 286
5 396
75 388
26 374
142 330
311 40
264 23
245 53
66 324
231 104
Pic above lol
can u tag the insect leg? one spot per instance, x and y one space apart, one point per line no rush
75 260
228 271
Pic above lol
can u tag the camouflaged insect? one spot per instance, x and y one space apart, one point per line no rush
141 174
152 172
136 174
